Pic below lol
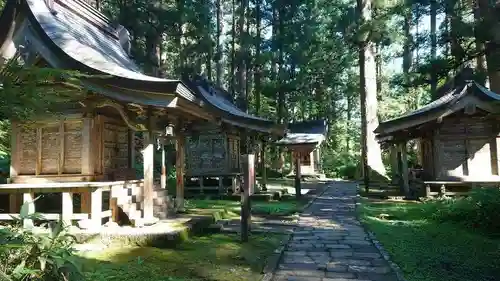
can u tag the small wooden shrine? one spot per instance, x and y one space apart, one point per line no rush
458 135
303 140
213 151
87 149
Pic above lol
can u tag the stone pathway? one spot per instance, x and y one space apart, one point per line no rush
329 243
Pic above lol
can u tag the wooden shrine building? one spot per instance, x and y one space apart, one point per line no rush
458 135
303 140
86 148
213 150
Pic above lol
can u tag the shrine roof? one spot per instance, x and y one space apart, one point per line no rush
455 95
70 34
305 133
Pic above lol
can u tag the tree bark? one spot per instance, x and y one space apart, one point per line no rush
232 86
407 52
242 55
257 60
219 45
433 15
370 148
481 58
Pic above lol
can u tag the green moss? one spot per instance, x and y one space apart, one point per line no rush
232 208
216 258
427 250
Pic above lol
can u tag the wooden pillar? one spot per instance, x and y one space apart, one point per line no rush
404 168
131 149
87 160
163 177
96 208
179 168
297 184
263 166
393 153
15 199
247 190
14 148
148 156
29 201
67 208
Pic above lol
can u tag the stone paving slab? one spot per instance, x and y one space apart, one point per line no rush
329 243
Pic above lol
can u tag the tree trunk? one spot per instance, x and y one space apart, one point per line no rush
257 60
218 56
242 55
179 39
407 48
481 58
434 80
489 26
370 149
232 86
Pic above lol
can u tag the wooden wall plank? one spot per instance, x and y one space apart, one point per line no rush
16 149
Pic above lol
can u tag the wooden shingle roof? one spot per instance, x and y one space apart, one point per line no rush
456 96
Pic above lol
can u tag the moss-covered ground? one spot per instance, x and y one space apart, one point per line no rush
428 250
277 208
217 257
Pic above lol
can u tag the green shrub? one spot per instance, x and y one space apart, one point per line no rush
479 211
30 256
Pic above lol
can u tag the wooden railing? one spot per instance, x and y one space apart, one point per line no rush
91 200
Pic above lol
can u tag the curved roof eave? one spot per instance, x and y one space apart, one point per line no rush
38 12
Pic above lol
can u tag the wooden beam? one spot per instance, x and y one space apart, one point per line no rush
15 149
148 161
179 168
298 188
263 170
131 149
247 189
88 160
39 135
29 200
163 177
404 168
67 208
96 209
60 168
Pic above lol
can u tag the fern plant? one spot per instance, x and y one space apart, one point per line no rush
27 255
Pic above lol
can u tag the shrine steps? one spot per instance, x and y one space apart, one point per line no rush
130 201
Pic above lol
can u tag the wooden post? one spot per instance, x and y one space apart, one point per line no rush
113 205
404 168
131 149
67 208
148 156
221 186
14 148
247 190
15 201
442 191
96 208
163 177
394 162
87 160
263 166
179 168
427 190
28 199
298 189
